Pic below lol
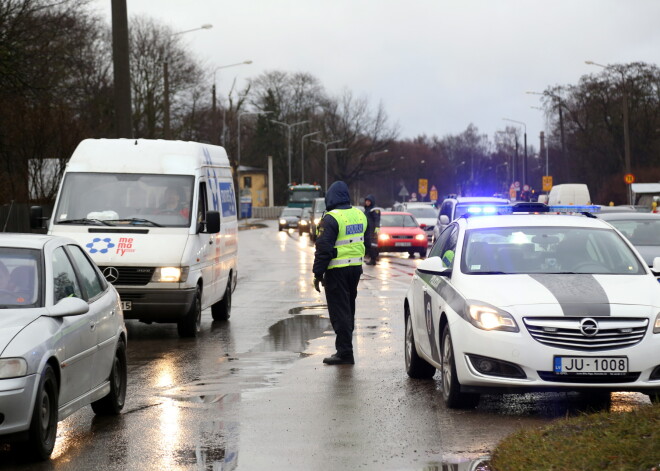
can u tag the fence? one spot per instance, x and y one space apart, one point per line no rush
266 212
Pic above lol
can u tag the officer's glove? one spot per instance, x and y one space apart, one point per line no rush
317 283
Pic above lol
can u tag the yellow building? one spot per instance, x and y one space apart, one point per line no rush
254 182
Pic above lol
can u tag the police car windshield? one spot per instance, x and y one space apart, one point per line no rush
397 220
551 250
639 231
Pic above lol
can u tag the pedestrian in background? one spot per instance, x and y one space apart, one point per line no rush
373 225
338 266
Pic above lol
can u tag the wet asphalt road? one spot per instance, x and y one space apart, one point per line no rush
252 393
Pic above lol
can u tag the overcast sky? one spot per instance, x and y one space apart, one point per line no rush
436 65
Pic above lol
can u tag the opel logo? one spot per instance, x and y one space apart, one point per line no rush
589 327
111 274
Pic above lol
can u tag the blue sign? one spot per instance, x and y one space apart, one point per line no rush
227 199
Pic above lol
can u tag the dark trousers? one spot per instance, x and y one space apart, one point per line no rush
371 246
340 292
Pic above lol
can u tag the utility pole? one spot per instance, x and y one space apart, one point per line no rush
122 71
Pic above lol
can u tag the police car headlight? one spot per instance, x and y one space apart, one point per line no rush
12 368
656 325
490 318
420 237
170 275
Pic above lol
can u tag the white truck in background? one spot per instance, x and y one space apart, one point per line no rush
159 219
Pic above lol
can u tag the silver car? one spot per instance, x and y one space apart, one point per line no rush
62 339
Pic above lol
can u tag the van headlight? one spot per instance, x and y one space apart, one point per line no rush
491 318
656 324
12 368
170 275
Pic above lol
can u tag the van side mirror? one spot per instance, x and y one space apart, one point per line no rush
212 222
37 217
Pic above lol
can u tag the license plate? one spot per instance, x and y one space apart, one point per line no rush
590 365
402 244
126 305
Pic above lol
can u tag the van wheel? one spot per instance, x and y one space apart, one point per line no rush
43 426
191 323
113 403
222 309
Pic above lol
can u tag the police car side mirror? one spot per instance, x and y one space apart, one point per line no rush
212 223
656 266
444 219
434 266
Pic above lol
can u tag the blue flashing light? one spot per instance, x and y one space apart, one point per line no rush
482 210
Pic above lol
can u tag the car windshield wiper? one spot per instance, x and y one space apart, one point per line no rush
491 273
137 221
85 221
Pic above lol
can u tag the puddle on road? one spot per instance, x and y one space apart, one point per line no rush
217 395
262 365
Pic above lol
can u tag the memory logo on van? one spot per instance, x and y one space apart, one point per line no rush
98 245
125 245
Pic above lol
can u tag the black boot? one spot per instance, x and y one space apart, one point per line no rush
339 360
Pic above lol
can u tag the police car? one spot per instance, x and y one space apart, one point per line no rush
533 301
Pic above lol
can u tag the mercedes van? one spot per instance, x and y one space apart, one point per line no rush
159 219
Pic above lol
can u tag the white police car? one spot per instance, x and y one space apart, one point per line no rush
521 302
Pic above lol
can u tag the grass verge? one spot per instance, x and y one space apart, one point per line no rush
626 441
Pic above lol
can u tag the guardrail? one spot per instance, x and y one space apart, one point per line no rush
266 212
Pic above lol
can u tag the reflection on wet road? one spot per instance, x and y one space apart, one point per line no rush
252 392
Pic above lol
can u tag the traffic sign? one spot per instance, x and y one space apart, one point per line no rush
629 178
434 193
516 185
525 187
547 183
423 186
404 191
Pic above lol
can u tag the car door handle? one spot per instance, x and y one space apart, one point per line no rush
92 325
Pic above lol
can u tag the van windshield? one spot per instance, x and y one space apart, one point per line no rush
111 199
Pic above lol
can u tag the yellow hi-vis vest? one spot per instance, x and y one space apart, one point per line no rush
350 239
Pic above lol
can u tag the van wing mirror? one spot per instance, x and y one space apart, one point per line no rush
37 217
212 222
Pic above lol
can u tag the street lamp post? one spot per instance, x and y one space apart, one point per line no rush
166 83
288 127
325 146
626 132
560 105
238 136
524 172
302 154
213 99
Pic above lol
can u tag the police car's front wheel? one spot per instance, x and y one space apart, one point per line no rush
416 367
451 387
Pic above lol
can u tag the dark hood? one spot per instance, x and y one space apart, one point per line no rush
372 199
337 197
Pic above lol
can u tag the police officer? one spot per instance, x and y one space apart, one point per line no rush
338 266
373 224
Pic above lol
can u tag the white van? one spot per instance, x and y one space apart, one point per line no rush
159 219
569 193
